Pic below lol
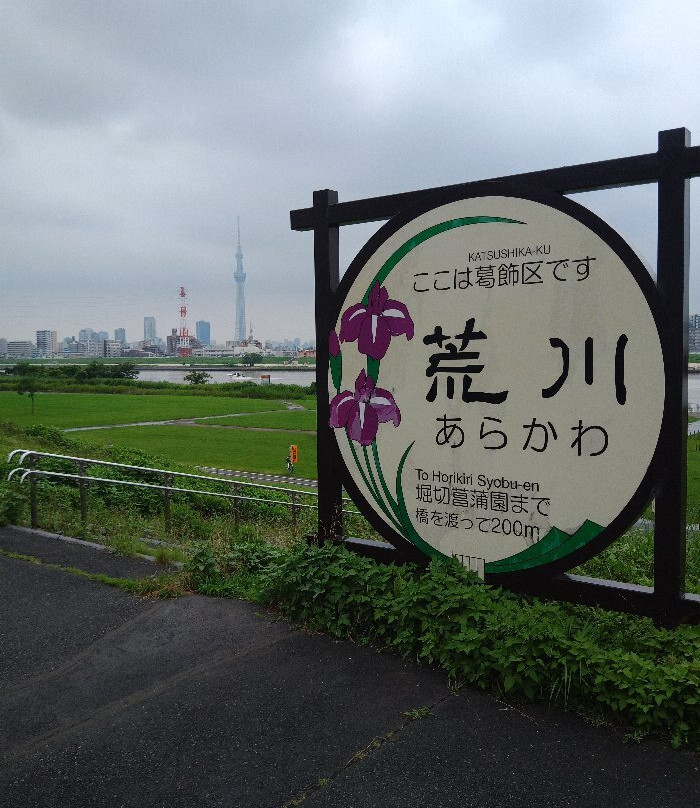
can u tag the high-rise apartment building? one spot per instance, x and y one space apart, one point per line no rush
203 332
87 335
149 329
694 333
172 342
120 335
46 343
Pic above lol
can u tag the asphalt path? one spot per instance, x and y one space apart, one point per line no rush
195 421
111 700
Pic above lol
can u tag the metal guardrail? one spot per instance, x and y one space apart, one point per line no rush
32 473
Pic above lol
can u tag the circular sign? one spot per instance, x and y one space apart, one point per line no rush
497 381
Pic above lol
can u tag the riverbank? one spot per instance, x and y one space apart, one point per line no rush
263 375
165 363
227 367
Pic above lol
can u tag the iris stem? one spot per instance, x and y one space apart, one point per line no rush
370 488
377 493
392 502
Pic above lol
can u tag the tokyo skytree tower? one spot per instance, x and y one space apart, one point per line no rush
239 276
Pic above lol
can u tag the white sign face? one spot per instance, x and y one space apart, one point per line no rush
497 381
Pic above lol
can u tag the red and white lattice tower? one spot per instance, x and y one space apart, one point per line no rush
183 343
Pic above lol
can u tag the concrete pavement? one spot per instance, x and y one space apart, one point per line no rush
108 699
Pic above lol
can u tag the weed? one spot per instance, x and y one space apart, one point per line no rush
166 555
375 743
417 714
126 546
201 565
11 504
128 584
296 801
163 586
635 736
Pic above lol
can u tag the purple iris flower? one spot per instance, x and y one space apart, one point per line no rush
333 344
374 325
362 412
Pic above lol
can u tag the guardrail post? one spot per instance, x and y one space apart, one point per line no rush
166 504
33 505
236 511
294 512
83 497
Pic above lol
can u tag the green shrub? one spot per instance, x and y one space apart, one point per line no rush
187 525
201 565
11 505
50 434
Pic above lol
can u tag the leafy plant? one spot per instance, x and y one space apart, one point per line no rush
11 505
417 714
201 565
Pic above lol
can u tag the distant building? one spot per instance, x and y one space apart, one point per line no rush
231 349
248 346
110 348
79 348
149 329
173 342
68 346
87 335
3 347
203 332
17 349
694 334
120 335
46 343
218 352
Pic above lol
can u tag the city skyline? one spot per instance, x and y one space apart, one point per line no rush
132 137
47 342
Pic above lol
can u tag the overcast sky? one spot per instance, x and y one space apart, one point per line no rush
134 132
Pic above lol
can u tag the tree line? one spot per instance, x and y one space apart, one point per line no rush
80 373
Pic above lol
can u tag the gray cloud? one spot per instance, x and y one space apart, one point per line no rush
133 133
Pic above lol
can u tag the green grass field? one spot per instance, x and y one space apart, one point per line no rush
228 448
693 480
223 448
289 419
65 410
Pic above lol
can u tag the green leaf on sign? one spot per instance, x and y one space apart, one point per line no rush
336 363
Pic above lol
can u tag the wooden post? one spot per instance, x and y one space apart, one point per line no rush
327 274
672 283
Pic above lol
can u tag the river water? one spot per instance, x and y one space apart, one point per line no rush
694 391
219 376
305 377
